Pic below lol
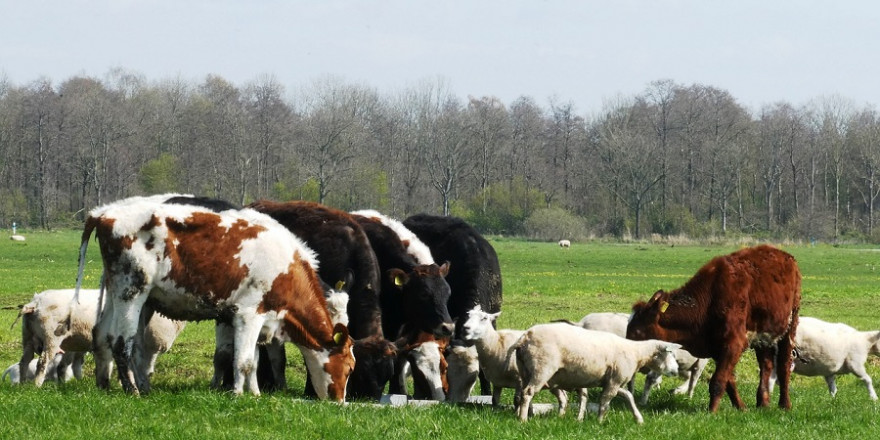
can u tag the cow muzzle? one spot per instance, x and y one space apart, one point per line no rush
444 330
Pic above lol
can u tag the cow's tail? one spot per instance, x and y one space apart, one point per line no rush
91 223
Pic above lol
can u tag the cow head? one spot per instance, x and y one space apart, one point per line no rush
338 366
428 366
424 295
644 322
373 369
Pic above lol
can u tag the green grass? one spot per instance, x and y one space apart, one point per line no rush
541 282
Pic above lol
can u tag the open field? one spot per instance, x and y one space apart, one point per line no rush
541 282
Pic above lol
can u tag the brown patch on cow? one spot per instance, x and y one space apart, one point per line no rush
298 291
340 363
202 261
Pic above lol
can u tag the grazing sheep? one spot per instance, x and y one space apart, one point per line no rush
462 371
17 237
564 243
493 348
62 367
831 349
690 368
566 357
55 324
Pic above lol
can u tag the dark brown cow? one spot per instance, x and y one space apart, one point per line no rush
192 263
749 298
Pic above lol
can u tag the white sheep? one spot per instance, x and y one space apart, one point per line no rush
561 356
462 371
53 323
17 237
69 365
690 368
831 349
493 348
564 243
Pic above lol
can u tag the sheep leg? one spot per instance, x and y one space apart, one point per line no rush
50 349
632 404
524 407
77 365
859 371
832 385
562 399
101 347
582 407
652 380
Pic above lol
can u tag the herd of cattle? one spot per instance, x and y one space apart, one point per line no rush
369 300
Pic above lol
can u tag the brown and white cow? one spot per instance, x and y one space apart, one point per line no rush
749 298
192 263
346 255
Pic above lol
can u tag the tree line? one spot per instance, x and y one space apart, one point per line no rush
674 159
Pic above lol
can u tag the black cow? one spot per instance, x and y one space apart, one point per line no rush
474 276
414 296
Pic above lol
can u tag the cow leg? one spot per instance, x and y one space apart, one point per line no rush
140 361
784 349
224 336
276 358
127 314
723 380
247 331
398 380
764 356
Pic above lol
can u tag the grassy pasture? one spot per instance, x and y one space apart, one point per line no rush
541 282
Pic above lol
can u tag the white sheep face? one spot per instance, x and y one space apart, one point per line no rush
478 324
664 361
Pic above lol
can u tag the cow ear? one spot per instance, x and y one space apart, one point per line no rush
444 269
348 280
656 296
340 334
398 277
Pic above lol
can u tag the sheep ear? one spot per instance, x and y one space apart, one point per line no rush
494 316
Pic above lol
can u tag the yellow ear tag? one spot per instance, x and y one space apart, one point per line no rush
663 306
340 284
337 338
398 281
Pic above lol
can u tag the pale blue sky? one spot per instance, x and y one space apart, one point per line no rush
585 52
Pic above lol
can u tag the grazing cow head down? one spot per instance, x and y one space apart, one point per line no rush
424 294
338 366
428 365
375 366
